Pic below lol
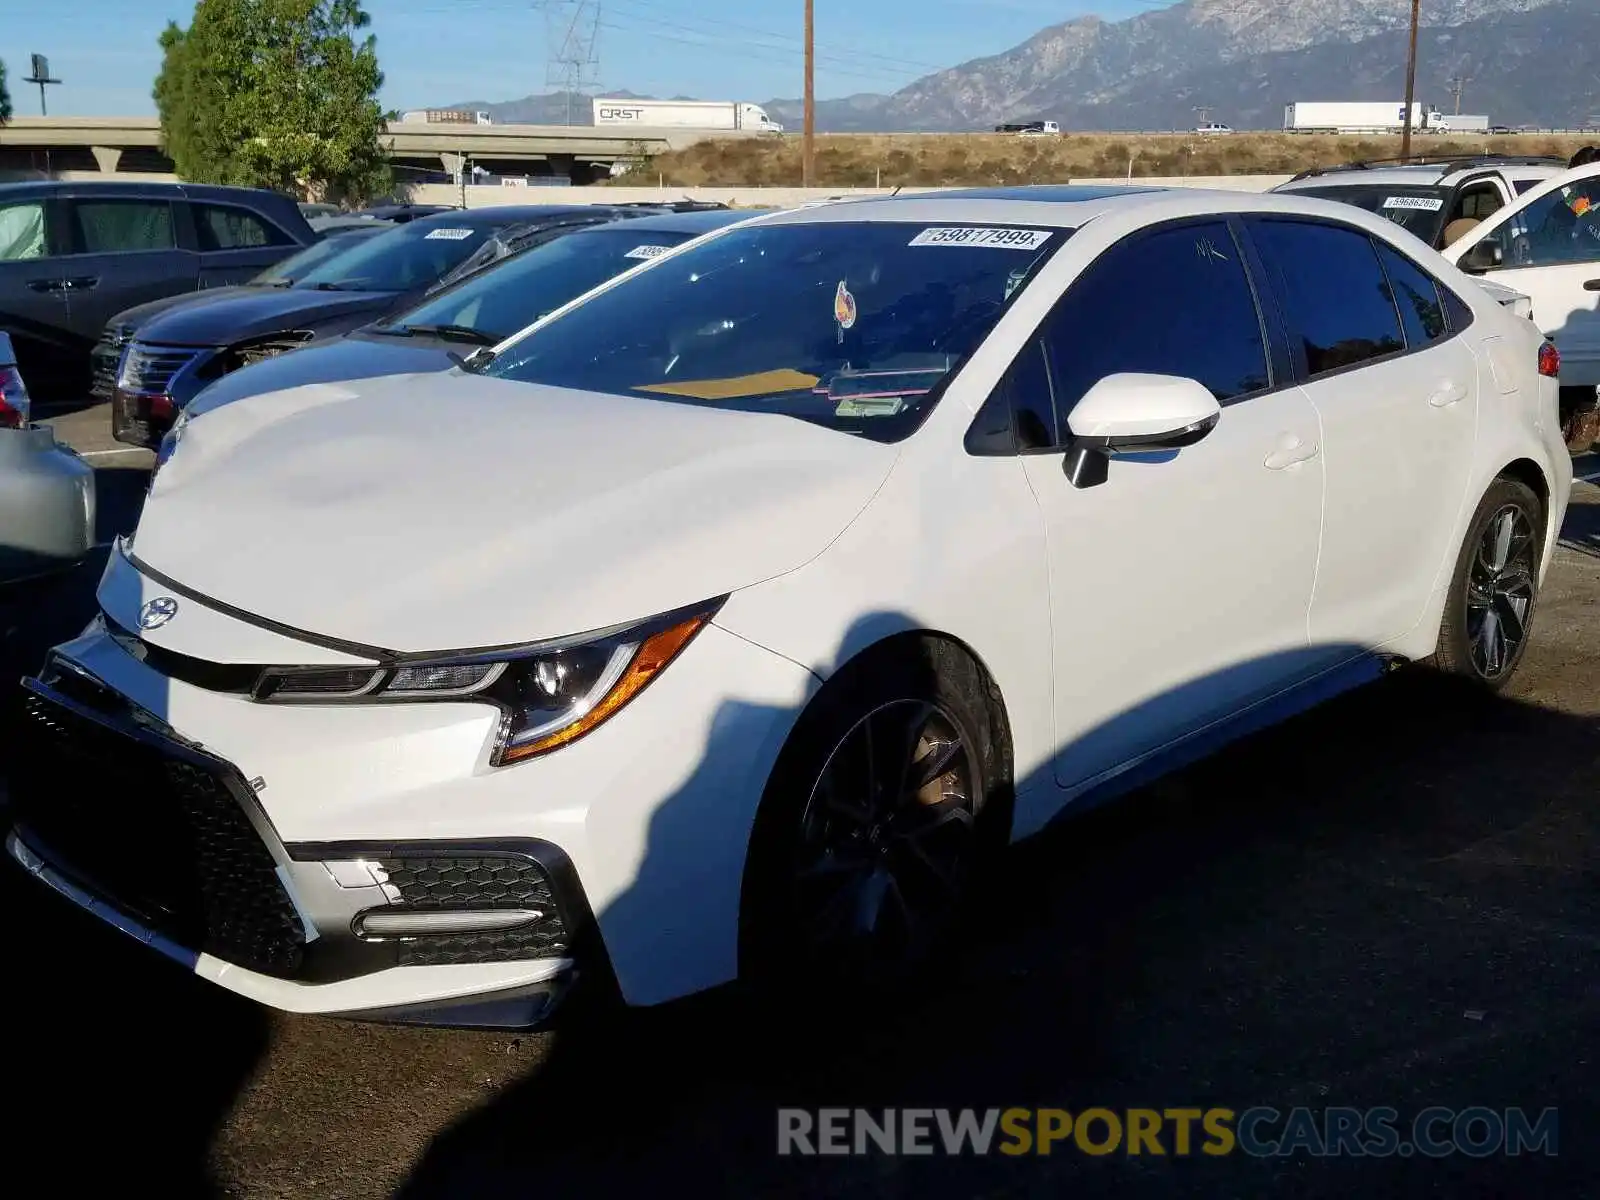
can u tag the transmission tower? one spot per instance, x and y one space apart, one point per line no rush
571 38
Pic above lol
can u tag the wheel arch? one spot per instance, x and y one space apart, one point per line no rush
1525 470
889 639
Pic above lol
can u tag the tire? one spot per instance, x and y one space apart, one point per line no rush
839 883
1489 610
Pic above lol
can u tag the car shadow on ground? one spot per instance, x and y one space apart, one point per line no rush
1387 901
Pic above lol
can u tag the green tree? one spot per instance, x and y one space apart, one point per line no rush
5 97
275 93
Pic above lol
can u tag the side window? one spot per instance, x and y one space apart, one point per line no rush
21 231
1416 294
1336 294
1175 302
1477 202
112 226
222 227
1555 230
1027 395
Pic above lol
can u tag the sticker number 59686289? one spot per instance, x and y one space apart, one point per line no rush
989 236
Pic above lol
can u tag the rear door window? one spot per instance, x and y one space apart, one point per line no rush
122 226
1418 297
22 231
1336 295
223 227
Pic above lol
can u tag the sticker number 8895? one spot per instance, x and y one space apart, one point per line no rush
988 236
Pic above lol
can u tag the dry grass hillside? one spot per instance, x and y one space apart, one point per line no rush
939 160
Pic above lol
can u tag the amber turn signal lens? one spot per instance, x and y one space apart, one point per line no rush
652 657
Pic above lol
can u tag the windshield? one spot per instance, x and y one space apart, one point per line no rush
286 271
539 281
850 325
1419 210
398 260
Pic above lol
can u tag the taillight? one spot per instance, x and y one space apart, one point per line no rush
1549 361
14 403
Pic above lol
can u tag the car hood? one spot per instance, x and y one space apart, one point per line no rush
442 512
255 312
141 314
334 361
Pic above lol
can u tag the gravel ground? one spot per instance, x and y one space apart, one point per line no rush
1390 901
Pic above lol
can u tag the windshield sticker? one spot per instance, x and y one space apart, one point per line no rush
647 252
1420 203
844 308
448 235
990 237
870 406
1015 280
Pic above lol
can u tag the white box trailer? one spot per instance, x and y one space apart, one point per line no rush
1462 123
1316 116
684 114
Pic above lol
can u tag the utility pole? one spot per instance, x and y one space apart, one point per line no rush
1458 84
1203 113
808 145
1411 83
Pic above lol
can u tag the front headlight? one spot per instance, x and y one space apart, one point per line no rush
550 695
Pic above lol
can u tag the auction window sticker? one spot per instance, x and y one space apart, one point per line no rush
448 235
993 237
1416 203
647 252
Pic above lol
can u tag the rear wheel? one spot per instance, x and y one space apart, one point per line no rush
877 823
1494 591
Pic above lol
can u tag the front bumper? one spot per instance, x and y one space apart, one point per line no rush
639 829
165 841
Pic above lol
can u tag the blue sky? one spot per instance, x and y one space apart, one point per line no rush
442 51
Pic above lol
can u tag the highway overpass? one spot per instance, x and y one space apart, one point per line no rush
581 153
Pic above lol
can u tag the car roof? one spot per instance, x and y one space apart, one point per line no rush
1425 174
23 189
1059 206
499 215
687 222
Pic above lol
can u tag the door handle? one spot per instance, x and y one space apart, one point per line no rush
83 283
1592 286
47 285
1292 454
1449 393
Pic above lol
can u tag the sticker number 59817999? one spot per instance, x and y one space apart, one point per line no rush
989 236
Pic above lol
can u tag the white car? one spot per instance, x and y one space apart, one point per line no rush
726 620
1547 246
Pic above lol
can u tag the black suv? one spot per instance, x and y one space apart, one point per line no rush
74 254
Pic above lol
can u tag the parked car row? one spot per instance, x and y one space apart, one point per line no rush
1530 225
706 597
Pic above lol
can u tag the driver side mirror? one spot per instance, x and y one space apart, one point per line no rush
1132 413
1485 256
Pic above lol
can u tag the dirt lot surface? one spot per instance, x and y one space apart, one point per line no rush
1390 901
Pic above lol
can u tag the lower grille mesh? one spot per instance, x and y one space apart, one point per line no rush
159 837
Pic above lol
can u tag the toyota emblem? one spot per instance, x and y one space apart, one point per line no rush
157 612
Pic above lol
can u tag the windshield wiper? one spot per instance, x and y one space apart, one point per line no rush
329 287
450 333
272 283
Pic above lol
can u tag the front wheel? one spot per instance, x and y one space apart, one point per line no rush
875 825
1494 591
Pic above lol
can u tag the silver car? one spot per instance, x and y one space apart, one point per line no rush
47 497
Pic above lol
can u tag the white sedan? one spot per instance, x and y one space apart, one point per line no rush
722 623
1547 246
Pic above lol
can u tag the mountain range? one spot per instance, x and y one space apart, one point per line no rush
1524 62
